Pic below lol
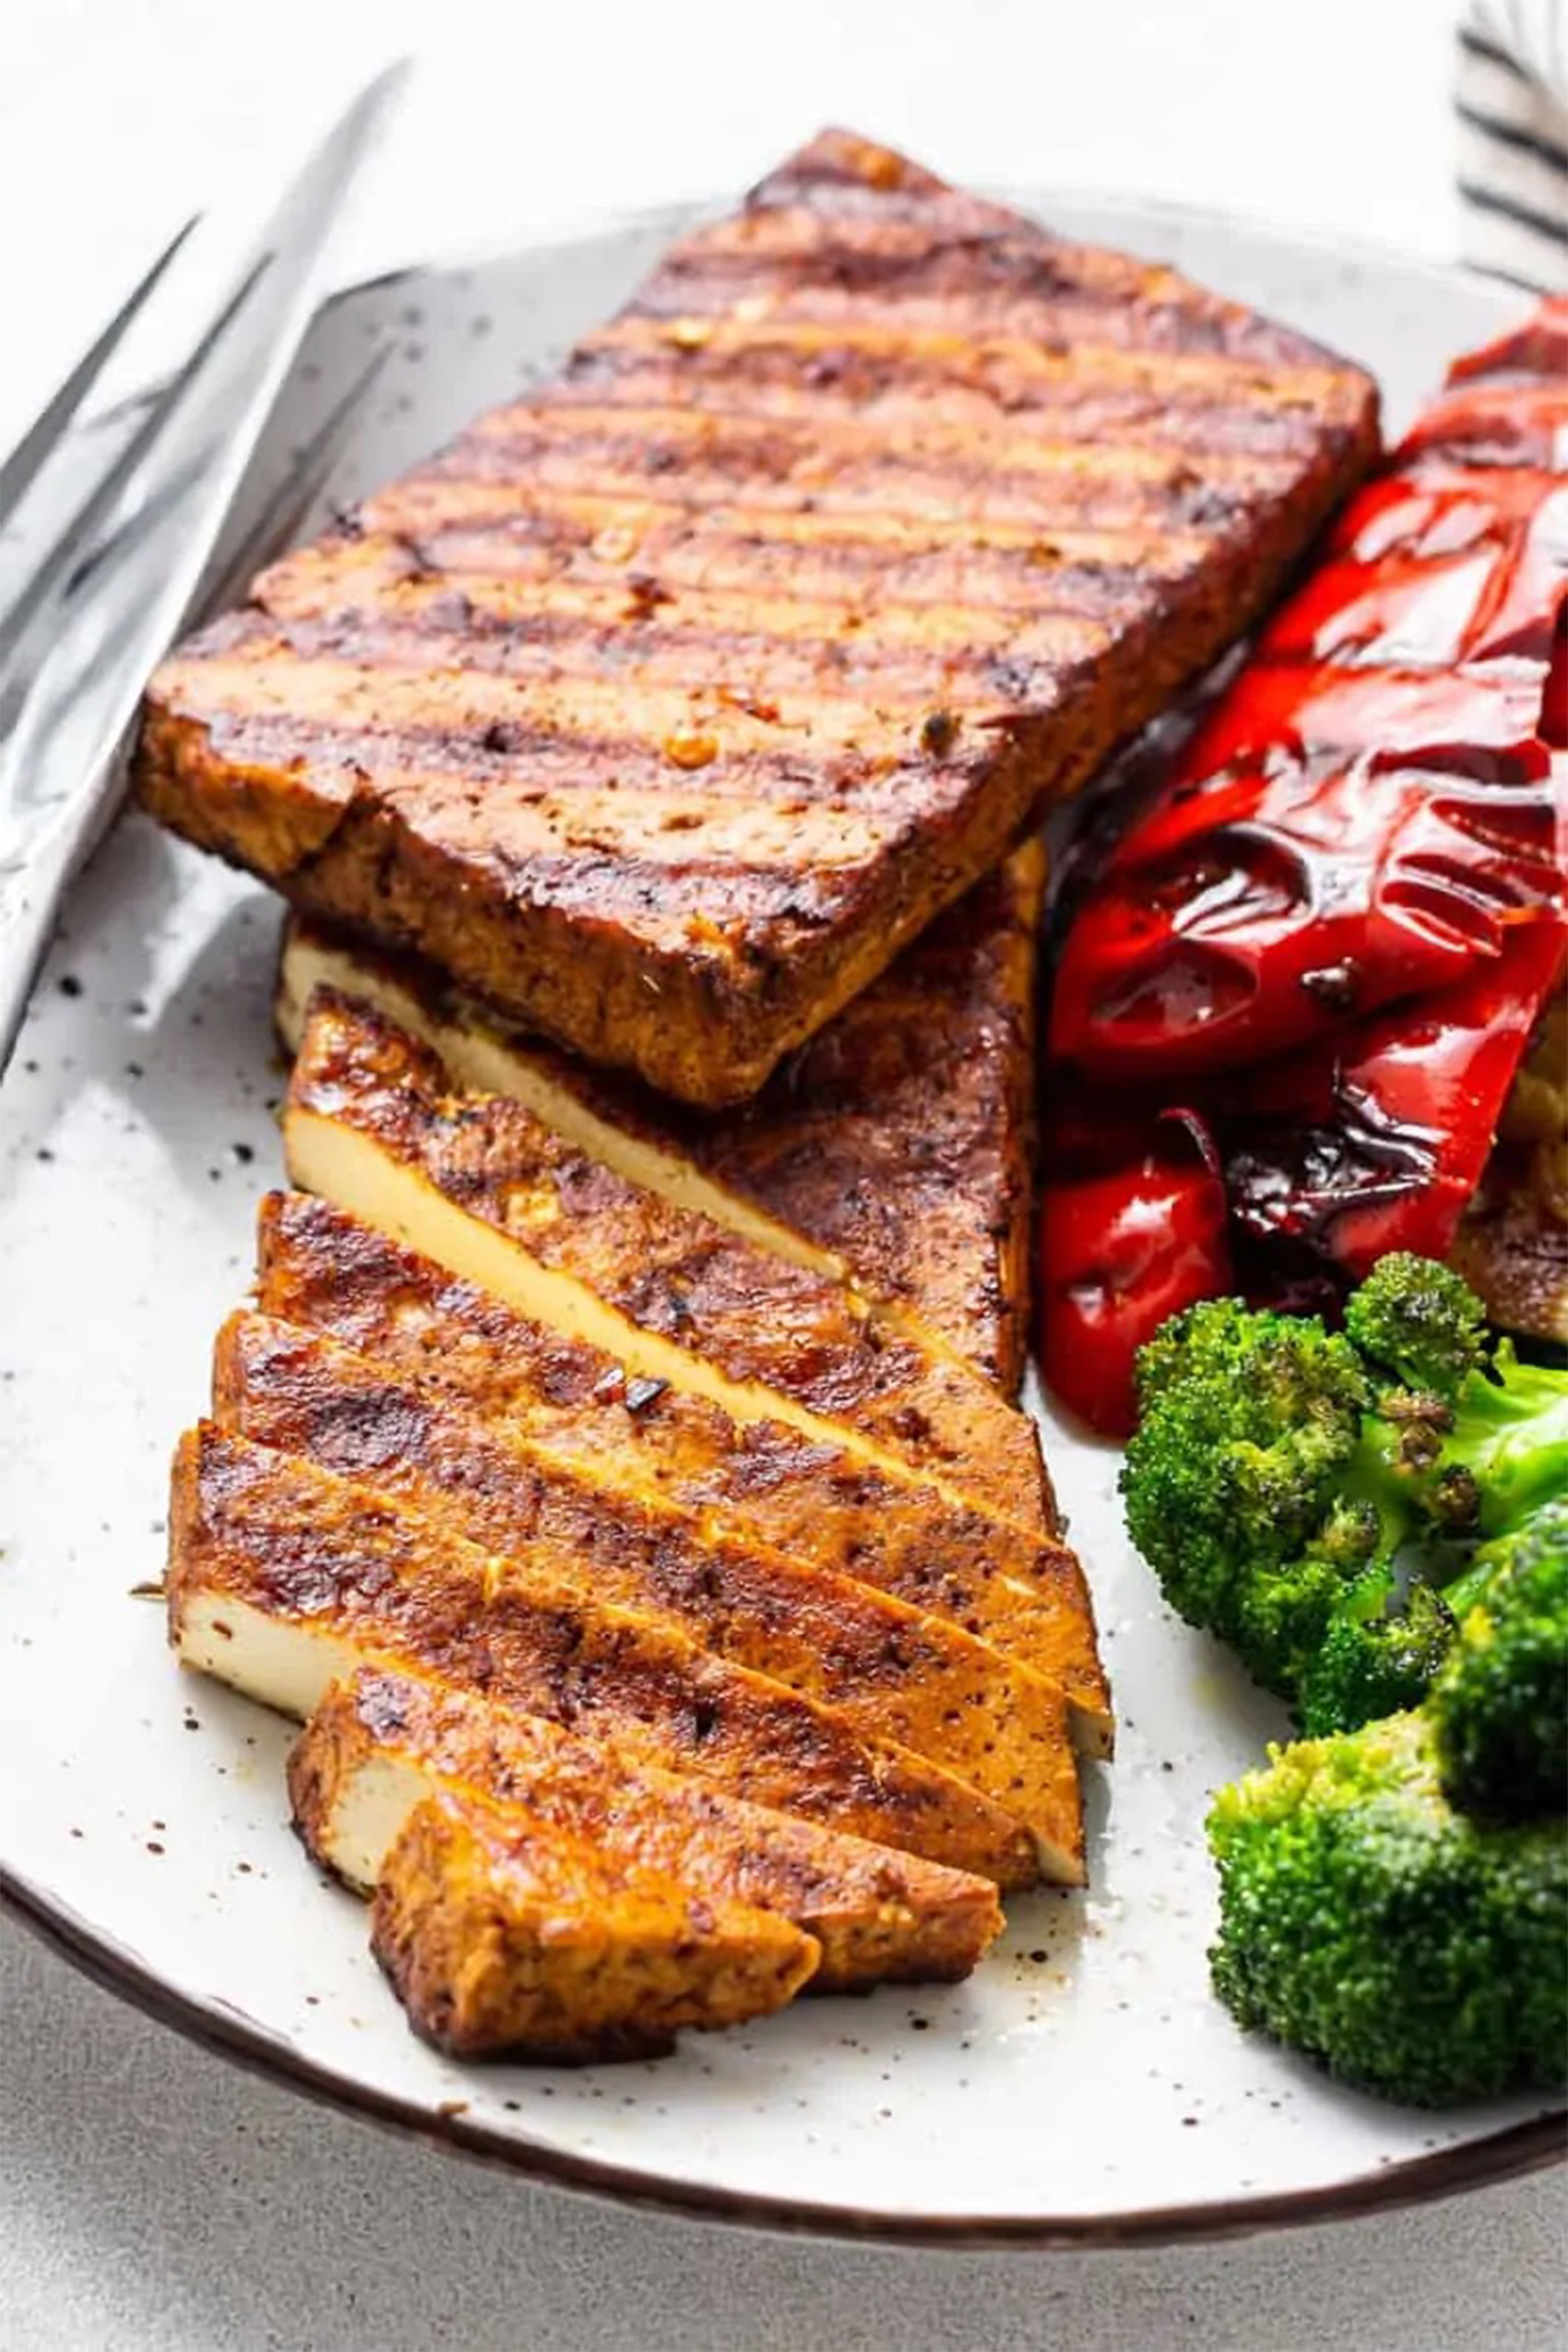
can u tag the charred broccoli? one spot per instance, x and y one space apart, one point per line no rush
1374 1661
1500 1704
1367 1923
1312 1496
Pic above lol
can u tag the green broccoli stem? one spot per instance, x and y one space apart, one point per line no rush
1379 1475
1463 1593
1510 1435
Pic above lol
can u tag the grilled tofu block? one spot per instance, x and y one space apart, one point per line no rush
892 1151
890 1673
284 1575
671 702
503 1937
762 1482
381 1743
480 1182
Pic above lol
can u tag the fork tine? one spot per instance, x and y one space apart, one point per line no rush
27 459
35 601
292 501
313 197
72 774
271 531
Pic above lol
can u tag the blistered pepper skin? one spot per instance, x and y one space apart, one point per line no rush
1329 934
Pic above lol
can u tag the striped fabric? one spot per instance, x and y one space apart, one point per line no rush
1512 98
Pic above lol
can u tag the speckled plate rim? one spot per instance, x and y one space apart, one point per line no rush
1522 2148
226 2032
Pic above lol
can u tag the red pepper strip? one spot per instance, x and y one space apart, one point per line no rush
1420 717
1432 580
1330 1159
1294 891
1376 1142
1493 423
1538 348
1360 1124
1121 1249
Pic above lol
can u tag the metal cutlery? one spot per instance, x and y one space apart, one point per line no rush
83 627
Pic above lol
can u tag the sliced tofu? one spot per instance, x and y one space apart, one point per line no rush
892 1152
481 1184
503 1937
384 1742
636 1440
891 1673
283 1576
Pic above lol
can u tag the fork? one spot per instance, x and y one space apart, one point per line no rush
84 626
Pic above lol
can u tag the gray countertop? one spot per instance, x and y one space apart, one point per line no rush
154 2196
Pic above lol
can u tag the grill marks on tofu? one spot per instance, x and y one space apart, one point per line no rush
575 1406
383 1742
892 1151
505 1937
669 704
890 1673
283 1574
480 1182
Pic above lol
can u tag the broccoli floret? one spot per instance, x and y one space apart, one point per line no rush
1374 1662
1483 1437
1500 1705
1421 1321
1248 1487
1508 1447
1406 1947
1287 1484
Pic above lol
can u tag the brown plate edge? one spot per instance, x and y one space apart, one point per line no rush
1522 2148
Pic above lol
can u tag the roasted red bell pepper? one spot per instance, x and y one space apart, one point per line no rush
1329 931
1377 1142
1136 1229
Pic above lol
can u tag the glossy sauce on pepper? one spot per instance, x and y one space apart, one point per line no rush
1327 935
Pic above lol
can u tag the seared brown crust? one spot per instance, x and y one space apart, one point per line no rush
900 1136
891 1673
665 707
1512 1242
878 1915
686 1298
894 1148
319 1267
358 1576
503 1937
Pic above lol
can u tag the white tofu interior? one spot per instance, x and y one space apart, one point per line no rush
371 1799
358 1173
286 1662
479 1054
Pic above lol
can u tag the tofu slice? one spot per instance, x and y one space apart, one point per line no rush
891 1673
479 1182
384 1740
503 1937
892 1152
283 1575
634 1439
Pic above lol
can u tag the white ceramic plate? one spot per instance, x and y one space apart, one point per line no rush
1084 2087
